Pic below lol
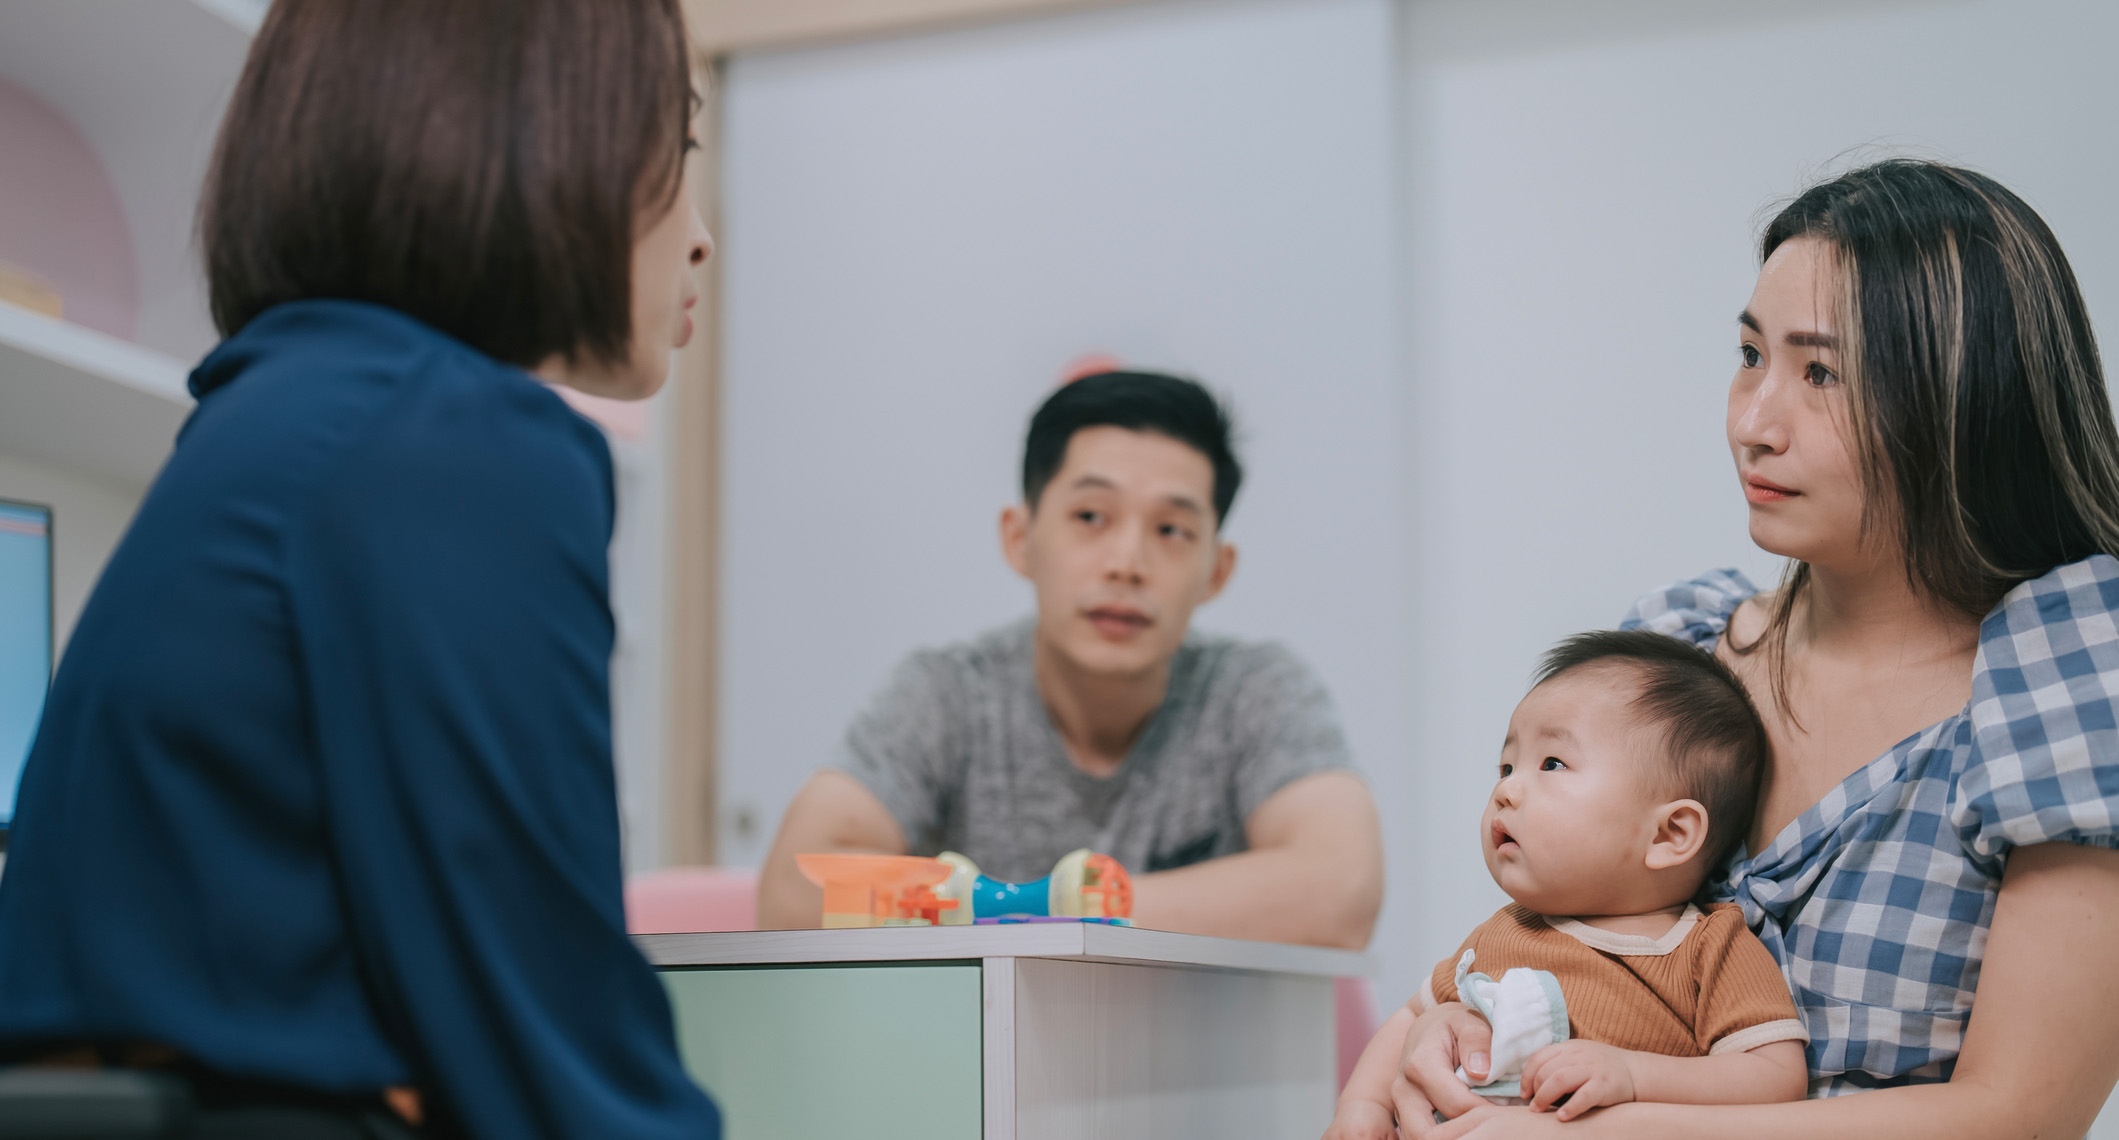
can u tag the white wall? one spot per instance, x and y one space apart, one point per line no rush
638 688
1583 186
921 233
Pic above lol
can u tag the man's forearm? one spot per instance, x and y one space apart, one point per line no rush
1278 895
787 900
1314 873
832 813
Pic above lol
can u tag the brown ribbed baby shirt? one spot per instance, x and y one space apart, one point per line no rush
1707 986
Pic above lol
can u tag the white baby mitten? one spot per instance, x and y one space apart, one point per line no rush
1527 1014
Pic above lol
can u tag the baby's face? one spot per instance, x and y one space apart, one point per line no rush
1567 829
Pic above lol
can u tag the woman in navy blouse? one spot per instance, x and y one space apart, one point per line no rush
1920 424
322 804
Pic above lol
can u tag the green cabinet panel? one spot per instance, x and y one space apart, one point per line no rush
880 1052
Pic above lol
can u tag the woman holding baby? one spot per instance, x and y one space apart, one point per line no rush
1920 424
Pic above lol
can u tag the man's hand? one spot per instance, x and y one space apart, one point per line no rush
1362 1120
1588 1073
1441 1039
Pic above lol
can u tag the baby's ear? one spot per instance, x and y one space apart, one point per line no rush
1680 834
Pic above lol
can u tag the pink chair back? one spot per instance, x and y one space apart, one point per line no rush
1357 1021
687 900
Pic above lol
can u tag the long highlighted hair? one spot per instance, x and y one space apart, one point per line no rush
1976 401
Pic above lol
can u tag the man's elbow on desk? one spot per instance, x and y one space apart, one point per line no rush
1327 829
1219 899
832 813
1313 874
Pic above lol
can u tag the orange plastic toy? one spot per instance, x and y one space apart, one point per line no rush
1106 882
878 890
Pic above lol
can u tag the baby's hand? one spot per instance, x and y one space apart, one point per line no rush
1362 1120
1588 1073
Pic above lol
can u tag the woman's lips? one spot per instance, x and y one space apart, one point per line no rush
684 331
1758 490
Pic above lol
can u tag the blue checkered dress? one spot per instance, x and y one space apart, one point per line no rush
1876 901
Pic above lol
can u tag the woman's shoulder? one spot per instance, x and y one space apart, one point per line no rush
357 418
350 366
2048 643
1696 609
2054 614
447 390
2043 761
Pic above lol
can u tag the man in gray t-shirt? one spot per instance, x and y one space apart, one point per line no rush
960 750
1214 770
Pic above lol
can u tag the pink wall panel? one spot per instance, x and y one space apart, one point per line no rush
60 218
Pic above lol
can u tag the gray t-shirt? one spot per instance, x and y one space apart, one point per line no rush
959 747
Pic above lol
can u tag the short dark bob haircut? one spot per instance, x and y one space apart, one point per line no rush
1714 744
480 165
1169 406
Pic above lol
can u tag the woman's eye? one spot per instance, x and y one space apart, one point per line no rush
1090 517
1553 764
1818 375
1750 355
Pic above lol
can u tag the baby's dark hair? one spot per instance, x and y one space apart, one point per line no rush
1714 744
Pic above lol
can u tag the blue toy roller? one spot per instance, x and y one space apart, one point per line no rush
1083 884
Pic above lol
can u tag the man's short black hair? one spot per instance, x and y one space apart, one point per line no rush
1714 744
1137 401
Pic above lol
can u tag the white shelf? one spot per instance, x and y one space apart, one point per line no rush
144 82
80 399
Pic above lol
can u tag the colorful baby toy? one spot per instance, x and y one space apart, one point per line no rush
908 890
877 890
1083 885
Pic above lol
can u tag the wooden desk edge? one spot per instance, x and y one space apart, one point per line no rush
1086 942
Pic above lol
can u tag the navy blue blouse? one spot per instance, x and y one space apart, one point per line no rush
323 792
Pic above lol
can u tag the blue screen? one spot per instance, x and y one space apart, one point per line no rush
25 637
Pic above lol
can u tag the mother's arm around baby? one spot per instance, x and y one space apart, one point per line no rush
2039 1056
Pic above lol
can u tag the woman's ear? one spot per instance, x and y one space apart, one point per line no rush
1680 834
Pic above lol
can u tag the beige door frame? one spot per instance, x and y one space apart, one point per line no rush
692 572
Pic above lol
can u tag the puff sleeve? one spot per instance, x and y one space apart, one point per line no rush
2044 762
1696 610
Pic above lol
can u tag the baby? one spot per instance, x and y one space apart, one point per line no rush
1629 771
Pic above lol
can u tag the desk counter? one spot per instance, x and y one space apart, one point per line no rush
1017 1032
